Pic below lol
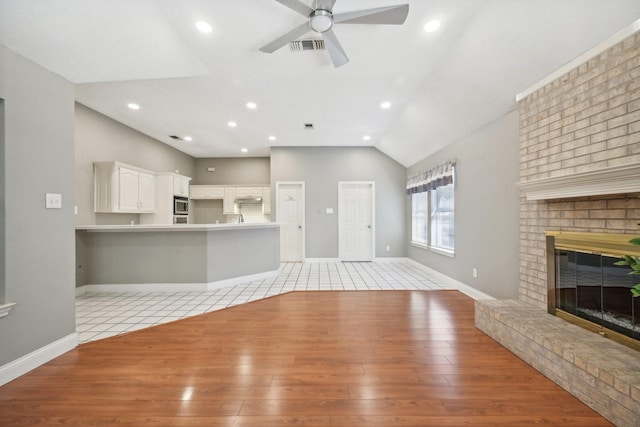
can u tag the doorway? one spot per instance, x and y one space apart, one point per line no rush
356 224
290 215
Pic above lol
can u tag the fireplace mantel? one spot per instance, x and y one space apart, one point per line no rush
611 180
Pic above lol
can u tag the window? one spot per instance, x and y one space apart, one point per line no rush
432 208
419 218
442 208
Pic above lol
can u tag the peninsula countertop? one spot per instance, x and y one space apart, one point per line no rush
137 228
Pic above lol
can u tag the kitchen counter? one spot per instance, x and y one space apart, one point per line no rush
175 257
172 227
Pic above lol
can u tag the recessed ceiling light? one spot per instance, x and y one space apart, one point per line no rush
232 124
204 27
366 138
188 138
385 105
432 26
252 105
133 106
272 138
244 150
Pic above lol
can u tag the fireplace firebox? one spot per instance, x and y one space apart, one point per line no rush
585 286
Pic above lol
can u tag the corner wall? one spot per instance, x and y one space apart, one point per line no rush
486 209
40 257
321 168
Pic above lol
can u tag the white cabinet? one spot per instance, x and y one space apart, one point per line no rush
248 192
181 185
123 188
211 192
266 200
229 201
164 194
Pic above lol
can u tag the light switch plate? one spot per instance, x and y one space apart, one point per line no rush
53 201
329 210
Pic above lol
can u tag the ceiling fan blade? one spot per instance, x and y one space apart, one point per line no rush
324 4
337 54
389 15
288 37
297 6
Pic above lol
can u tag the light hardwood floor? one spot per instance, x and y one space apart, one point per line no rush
323 358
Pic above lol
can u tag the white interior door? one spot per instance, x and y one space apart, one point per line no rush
290 216
356 220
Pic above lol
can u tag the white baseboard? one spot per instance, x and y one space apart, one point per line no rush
28 362
322 260
390 259
242 279
462 287
174 287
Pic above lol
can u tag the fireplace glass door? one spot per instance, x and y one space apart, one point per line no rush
591 287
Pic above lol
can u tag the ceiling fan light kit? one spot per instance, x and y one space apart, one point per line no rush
322 19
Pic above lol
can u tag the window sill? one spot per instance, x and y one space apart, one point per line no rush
6 308
419 245
445 252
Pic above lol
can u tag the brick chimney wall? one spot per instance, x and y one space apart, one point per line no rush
588 119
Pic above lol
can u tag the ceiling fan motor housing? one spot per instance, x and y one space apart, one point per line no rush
321 20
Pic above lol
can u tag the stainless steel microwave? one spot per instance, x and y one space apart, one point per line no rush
180 206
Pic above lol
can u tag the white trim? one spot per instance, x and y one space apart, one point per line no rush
441 251
322 260
242 279
175 287
586 56
611 180
28 362
390 259
462 287
419 245
372 185
5 309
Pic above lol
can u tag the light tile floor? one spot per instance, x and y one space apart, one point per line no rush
102 315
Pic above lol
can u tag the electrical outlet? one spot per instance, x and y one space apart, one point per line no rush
388 248
475 272
53 201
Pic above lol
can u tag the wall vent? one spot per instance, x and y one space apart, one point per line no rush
302 45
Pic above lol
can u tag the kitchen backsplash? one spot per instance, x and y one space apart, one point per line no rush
251 212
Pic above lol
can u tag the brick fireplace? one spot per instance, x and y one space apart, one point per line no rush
579 172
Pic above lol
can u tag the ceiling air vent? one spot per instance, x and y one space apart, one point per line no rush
302 45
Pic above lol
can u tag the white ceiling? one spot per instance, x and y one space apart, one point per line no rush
442 85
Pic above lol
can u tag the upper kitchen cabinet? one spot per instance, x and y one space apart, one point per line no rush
207 192
123 188
266 200
229 201
181 185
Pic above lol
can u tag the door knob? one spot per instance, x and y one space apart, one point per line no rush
300 227
368 226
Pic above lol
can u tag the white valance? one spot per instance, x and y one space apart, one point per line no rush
431 179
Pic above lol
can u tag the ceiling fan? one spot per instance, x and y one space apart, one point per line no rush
321 20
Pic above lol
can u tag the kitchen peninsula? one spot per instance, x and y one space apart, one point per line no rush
191 257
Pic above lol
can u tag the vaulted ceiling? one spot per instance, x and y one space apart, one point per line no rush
440 85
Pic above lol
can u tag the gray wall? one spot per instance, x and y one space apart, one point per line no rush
486 209
321 168
39 115
99 138
232 171
2 204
